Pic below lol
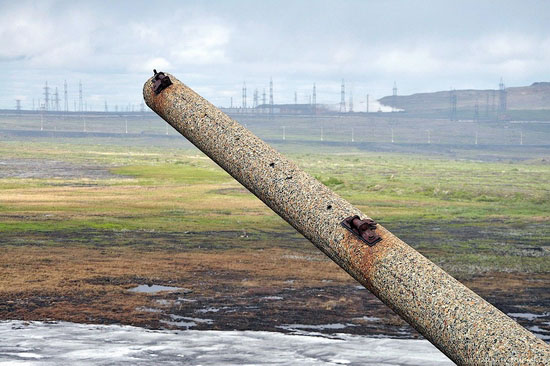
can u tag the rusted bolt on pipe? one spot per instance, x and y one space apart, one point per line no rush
461 324
363 229
160 82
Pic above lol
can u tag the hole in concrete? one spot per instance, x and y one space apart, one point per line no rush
272 164
237 138
289 177
329 207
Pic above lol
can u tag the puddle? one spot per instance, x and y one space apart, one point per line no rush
151 289
334 326
149 310
165 302
528 316
181 299
537 329
273 297
540 333
208 310
196 320
185 322
368 319
179 324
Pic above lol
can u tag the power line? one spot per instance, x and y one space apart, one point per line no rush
244 95
342 98
80 104
56 99
493 103
314 100
65 96
271 95
502 98
46 97
255 101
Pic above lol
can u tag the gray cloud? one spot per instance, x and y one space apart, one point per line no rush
213 46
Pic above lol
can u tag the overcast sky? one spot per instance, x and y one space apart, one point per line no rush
213 46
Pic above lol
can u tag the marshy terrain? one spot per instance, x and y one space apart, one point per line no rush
92 227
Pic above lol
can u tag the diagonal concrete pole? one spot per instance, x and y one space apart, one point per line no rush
461 324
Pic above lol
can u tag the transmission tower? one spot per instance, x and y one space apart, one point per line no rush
263 98
106 107
343 98
56 99
18 105
271 95
80 104
452 105
501 98
367 103
314 99
255 102
244 95
295 97
65 97
394 97
46 97
350 102
476 112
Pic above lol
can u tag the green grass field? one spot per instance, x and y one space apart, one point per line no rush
468 216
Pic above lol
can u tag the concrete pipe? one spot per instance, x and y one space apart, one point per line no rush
469 330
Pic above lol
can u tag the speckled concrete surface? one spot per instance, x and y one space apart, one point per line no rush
456 320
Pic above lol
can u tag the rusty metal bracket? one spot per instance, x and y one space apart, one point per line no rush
160 82
363 229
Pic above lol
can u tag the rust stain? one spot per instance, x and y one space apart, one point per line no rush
364 258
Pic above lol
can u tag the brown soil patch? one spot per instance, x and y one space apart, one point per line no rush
253 289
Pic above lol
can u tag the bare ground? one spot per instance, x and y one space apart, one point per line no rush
263 289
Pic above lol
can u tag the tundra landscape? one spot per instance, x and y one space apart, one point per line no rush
407 142
92 222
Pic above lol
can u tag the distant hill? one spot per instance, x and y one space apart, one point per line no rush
533 97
